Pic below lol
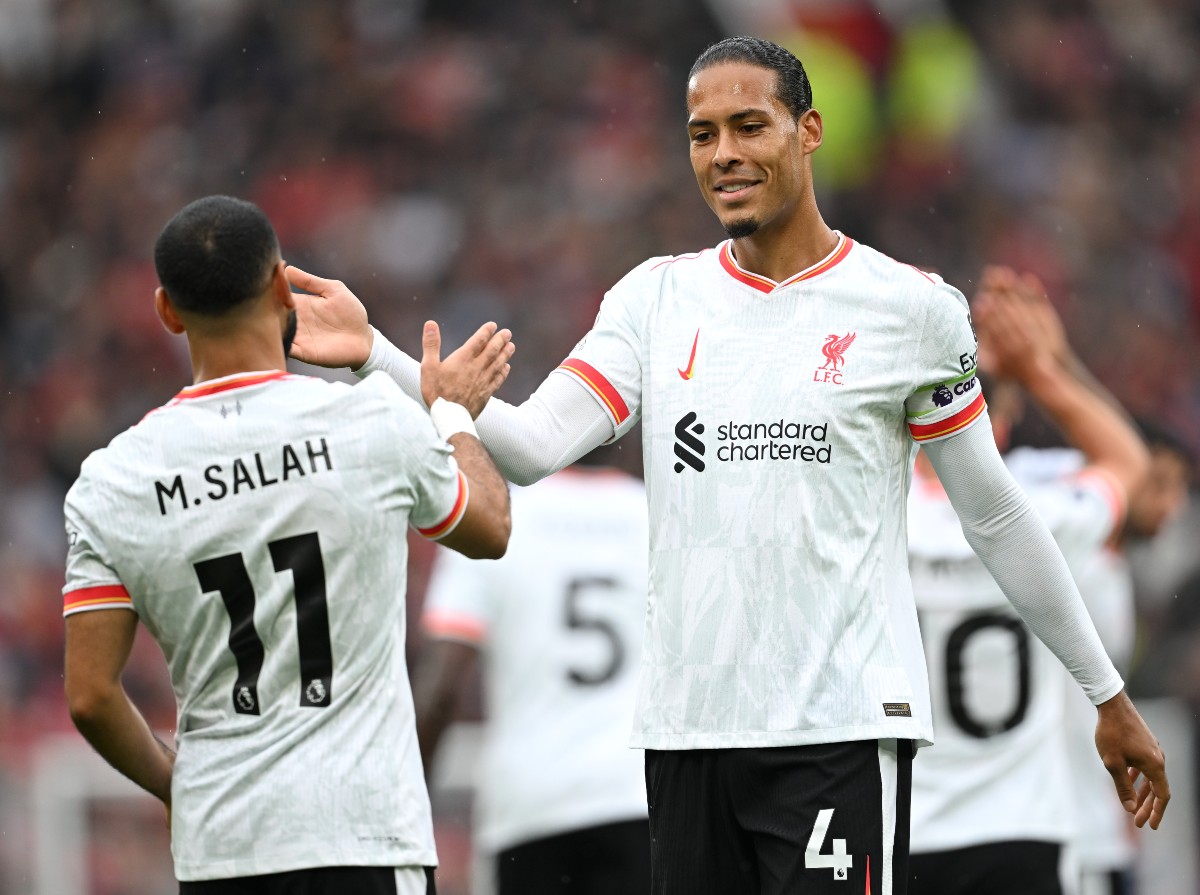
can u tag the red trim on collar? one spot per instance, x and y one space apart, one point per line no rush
767 285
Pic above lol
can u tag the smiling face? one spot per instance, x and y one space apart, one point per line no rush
750 156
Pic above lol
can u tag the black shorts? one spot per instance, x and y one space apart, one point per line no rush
997 868
601 860
795 820
311 881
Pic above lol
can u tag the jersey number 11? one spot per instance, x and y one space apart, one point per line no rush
227 575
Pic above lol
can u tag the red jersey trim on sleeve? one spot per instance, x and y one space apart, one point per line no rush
604 390
951 424
106 596
454 626
448 524
1106 484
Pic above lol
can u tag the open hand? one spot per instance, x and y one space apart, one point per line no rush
331 323
1019 330
1129 750
470 375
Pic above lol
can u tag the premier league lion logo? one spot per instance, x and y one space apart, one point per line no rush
942 396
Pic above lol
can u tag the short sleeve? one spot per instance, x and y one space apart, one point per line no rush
947 398
457 602
91 581
608 360
440 490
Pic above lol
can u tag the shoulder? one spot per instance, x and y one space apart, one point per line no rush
921 285
652 272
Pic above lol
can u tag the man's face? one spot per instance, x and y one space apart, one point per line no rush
1163 494
746 149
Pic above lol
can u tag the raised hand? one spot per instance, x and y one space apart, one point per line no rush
1019 330
470 375
331 323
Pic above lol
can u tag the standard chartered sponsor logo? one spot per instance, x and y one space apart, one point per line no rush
751 442
776 440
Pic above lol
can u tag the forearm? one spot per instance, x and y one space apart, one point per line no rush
119 733
557 425
1091 419
1016 547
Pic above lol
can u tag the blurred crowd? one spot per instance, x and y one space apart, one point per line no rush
470 160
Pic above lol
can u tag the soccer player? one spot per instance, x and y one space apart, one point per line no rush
256 525
561 799
782 379
992 800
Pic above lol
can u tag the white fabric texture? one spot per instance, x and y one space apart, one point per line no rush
1005 531
557 425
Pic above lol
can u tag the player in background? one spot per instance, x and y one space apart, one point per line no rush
560 801
782 380
1103 845
256 525
992 801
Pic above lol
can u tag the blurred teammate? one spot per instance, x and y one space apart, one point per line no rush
992 800
256 525
1103 844
561 799
782 379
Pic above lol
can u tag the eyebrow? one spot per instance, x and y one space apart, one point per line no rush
735 117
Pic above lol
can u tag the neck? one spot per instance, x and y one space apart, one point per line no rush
780 253
251 348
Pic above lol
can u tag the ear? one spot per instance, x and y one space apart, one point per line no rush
166 312
812 130
281 288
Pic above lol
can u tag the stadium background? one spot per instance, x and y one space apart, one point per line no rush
469 160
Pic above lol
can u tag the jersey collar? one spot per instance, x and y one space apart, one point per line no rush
764 284
225 383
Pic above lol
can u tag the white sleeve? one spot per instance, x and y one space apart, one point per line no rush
559 423
1007 534
458 604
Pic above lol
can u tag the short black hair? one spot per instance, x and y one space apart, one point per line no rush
791 85
215 254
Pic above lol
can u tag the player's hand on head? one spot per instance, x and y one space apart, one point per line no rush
469 375
331 323
1129 750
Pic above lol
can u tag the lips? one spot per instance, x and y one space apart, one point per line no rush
735 189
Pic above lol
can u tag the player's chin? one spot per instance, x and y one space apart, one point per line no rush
740 226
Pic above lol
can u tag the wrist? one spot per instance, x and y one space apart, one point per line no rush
451 419
367 355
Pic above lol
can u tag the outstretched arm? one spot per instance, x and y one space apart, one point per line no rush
559 423
1010 538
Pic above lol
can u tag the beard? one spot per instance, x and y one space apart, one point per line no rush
289 334
742 228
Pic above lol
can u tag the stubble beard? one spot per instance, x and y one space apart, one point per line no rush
289 334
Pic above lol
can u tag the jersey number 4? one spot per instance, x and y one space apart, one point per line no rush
227 575
838 859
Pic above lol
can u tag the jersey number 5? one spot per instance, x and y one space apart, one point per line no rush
577 620
228 576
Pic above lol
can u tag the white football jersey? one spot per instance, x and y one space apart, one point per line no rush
257 526
778 429
998 768
559 621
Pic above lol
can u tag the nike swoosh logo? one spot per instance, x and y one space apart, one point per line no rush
687 374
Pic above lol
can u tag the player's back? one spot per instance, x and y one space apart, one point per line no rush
258 524
560 621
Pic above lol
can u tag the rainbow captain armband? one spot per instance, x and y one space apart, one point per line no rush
923 431
105 596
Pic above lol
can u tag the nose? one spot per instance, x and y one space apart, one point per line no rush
728 153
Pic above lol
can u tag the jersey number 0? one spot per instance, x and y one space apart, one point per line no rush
228 576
